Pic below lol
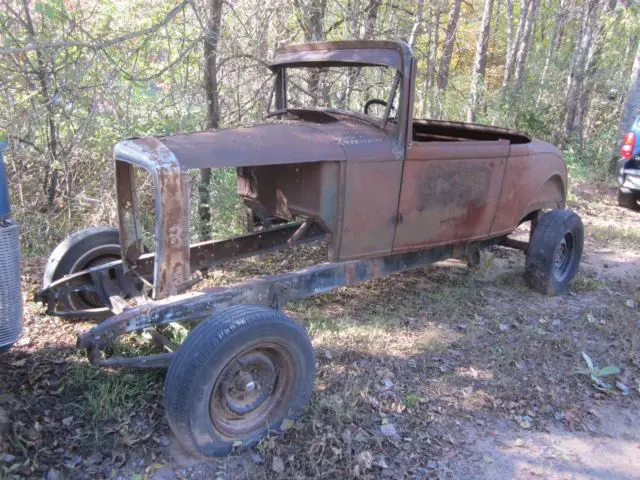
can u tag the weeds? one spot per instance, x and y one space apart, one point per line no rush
110 396
434 352
598 374
411 400
616 237
583 283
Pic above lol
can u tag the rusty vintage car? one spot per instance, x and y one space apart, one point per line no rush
387 192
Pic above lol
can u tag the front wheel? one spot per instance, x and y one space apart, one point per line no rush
554 252
240 375
81 250
628 200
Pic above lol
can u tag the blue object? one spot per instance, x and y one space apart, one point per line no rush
10 295
5 206
635 128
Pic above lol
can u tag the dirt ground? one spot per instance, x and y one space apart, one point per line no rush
443 373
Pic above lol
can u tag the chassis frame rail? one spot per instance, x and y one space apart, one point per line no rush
272 291
112 280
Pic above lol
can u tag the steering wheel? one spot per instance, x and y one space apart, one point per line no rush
373 101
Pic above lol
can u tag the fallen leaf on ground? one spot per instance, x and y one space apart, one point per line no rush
365 460
277 465
388 430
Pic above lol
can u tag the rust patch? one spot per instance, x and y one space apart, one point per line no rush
525 187
172 238
449 194
128 213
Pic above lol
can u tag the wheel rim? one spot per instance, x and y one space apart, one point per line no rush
93 258
563 257
251 390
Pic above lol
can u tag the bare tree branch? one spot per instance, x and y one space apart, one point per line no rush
98 46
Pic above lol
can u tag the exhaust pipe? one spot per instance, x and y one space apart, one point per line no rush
10 295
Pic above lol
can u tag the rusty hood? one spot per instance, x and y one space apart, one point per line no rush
277 143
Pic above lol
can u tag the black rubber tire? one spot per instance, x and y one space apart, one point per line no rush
205 355
628 200
542 272
73 255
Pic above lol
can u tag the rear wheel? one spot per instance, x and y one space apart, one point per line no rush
79 251
240 375
554 252
628 200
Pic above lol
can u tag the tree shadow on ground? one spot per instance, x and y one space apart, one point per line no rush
445 356
64 415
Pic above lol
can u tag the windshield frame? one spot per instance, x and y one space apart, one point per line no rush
354 53
281 86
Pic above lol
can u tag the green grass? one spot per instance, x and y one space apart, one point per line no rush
616 237
584 283
111 396
411 400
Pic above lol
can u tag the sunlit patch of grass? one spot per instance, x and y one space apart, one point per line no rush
132 345
584 283
402 317
377 335
615 237
108 396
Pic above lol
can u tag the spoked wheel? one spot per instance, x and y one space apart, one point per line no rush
80 251
239 376
554 252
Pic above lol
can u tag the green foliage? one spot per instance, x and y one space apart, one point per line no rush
598 374
91 93
227 210
107 396
411 400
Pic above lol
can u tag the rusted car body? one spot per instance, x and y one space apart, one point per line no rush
387 193
371 188
375 191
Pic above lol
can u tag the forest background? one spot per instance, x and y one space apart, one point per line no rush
76 76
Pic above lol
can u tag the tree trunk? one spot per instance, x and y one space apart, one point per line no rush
211 42
525 44
575 80
433 57
591 66
477 82
311 14
631 105
561 18
511 55
372 19
497 15
369 32
449 41
510 46
417 27
417 22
